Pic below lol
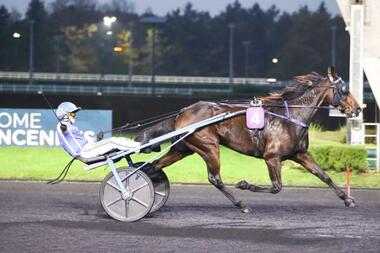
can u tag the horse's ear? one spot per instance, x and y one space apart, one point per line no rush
331 73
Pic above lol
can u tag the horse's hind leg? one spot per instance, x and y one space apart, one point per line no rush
175 154
274 168
307 161
210 154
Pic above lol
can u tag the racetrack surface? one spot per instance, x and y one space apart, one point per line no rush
35 217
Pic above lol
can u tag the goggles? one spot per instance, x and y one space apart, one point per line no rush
73 114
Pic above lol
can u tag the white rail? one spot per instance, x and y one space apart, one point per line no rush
107 89
377 140
7 75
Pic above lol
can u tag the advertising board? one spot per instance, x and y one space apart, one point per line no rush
37 127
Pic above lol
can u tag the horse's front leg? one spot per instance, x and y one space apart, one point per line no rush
307 161
274 168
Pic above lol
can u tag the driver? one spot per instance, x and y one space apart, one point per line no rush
76 144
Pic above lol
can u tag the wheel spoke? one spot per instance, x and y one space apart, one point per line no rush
140 187
160 194
140 202
126 176
113 186
126 208
114 202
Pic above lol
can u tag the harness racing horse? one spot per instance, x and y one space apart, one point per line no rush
279 140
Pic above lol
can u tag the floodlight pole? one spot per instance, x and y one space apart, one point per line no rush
153 53
153 21
31 56
231 27
246 44
130 59
333 45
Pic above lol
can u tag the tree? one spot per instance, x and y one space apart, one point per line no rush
342 47
119 6
82 55
72 35
307 44
120 60
5 36
42 46
186 41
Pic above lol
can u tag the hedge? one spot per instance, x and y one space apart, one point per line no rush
338 158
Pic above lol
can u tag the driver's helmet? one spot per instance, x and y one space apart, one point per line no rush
65 108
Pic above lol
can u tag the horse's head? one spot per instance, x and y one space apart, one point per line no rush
339 96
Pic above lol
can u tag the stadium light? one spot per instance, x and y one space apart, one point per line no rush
109 20
16 35
274 61
117 49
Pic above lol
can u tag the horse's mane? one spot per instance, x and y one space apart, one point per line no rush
304 82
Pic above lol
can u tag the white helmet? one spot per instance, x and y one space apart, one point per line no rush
65 108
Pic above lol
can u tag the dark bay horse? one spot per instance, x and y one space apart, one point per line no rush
279 140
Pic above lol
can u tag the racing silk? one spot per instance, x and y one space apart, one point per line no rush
72 140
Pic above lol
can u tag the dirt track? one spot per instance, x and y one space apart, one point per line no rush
35 217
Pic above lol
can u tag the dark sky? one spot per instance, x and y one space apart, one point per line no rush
161 7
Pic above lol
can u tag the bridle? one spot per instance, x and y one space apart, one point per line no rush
340 91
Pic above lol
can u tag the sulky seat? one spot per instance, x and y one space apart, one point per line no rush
100 158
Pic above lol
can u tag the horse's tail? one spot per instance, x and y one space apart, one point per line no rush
161 128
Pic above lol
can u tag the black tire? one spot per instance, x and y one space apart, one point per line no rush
161 186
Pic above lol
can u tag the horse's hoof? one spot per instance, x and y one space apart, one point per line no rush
246 210
350 202
242 185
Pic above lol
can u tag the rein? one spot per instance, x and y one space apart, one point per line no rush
158 118
63 174
248 102
145 122
152 120
288 117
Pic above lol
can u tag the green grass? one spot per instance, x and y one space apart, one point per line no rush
43 163
47 163
318 137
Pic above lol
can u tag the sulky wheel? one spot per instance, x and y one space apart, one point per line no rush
161 186
137 205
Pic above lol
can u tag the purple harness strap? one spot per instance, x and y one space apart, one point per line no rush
288 117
